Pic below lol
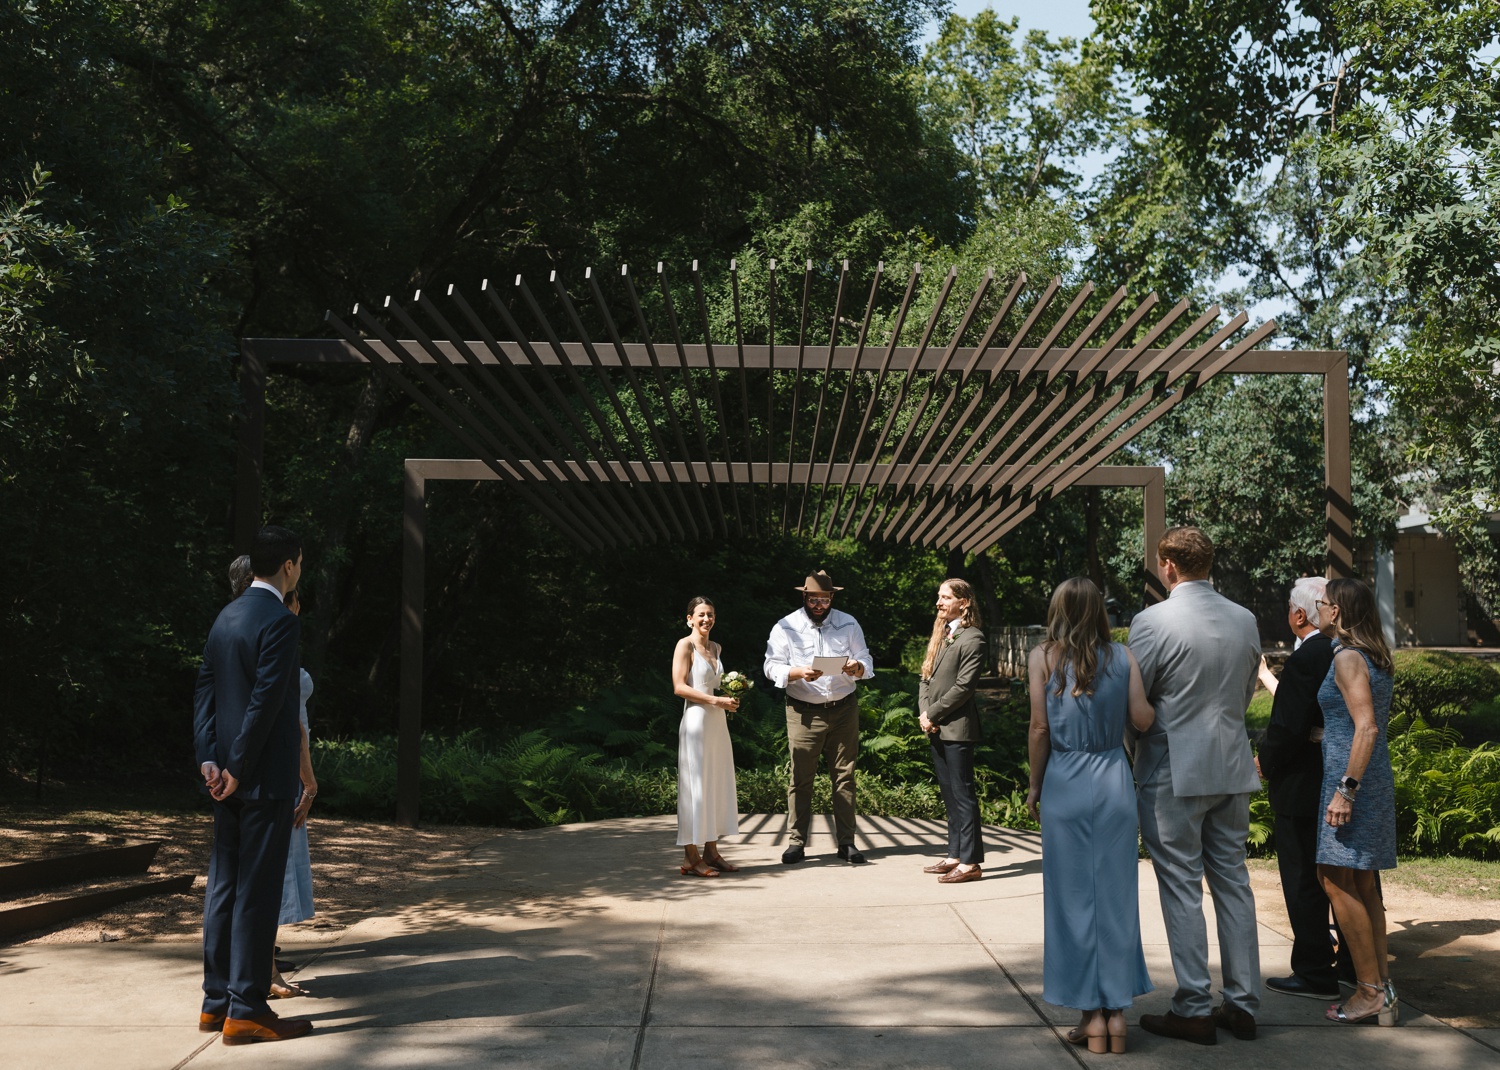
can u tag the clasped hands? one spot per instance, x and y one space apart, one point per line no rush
927 725
221 783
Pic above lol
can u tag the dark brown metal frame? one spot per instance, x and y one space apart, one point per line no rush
1151 480
1015 426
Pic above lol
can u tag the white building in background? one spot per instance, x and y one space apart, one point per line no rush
1422 602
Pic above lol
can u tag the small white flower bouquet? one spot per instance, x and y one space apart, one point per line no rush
736 684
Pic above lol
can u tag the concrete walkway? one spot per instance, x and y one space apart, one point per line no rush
580 946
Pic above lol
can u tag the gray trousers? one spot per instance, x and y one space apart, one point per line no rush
1190 838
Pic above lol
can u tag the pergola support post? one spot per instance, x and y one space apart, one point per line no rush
1337 475
413 605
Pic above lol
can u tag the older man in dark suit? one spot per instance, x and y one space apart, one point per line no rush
1291 761
247 737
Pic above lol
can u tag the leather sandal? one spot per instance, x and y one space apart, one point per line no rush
693 871
718 863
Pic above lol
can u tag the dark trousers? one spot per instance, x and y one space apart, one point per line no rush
953 761
1306 902
243 901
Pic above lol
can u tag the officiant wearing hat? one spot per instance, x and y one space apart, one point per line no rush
822 716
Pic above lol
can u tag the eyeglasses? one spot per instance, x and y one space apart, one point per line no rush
1320 602
818 600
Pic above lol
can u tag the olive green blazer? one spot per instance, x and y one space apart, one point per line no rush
948 698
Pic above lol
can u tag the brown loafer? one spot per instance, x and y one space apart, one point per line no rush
264 1027
959 876
210 1023
940 867
1239 1022
1199 1030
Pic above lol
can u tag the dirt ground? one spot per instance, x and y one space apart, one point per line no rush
360 868
1445 949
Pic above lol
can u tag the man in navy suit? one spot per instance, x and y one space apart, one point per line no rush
247 738
1291 760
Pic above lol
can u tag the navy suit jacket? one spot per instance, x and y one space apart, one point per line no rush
1293 764
245 705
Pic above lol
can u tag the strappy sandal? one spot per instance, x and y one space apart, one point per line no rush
693 871
1386 1013
719 864
284 989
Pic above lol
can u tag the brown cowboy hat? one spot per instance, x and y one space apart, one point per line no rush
819 583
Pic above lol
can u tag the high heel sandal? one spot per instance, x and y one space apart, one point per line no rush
1387 1013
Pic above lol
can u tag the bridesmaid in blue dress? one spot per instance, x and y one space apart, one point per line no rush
1358 834
1083 687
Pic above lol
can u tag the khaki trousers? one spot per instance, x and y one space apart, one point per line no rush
811 732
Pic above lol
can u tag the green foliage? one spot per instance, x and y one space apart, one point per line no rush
1259 713
1447 795
1452 690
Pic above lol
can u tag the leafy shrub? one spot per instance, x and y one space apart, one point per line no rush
1448 689
1447 795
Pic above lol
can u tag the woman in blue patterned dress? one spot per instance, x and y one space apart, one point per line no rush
1082 689
1358 834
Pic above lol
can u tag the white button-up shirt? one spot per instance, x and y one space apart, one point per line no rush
796 640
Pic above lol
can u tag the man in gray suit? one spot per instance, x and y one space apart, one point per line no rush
1195 772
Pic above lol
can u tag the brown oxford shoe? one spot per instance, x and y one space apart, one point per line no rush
961 876
1199 1030
940 867
1239 1022
210 1023
264 1027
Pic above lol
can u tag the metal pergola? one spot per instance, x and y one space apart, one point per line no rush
659 420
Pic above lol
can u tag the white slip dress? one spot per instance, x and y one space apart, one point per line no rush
707 803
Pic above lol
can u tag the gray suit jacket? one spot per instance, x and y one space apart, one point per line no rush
1198 653
948 698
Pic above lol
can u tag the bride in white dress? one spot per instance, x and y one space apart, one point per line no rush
707 803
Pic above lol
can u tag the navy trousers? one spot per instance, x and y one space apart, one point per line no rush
243 902
953 761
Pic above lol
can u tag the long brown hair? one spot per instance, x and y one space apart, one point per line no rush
970 619
1358 623
1078 633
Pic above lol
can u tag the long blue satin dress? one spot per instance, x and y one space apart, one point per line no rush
1093 956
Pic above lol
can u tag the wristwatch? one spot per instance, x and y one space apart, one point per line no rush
1349 785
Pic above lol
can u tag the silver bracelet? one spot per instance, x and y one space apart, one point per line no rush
1345 792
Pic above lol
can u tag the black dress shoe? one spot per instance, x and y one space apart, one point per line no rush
1198 1030
1239 1022
849 853
1297 985
793 854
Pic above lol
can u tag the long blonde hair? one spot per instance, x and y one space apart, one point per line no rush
1078 633
1358 623
970 619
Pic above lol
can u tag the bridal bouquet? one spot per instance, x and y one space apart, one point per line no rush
735 683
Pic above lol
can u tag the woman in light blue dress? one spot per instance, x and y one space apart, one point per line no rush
1082 688
1357 837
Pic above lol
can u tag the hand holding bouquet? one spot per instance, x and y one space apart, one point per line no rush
735 685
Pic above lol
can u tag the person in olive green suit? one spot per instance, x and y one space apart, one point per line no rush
950 717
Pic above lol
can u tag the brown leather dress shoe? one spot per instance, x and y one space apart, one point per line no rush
210 1023
940 867
264 1027
960 876
1239 1022
1199 1030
